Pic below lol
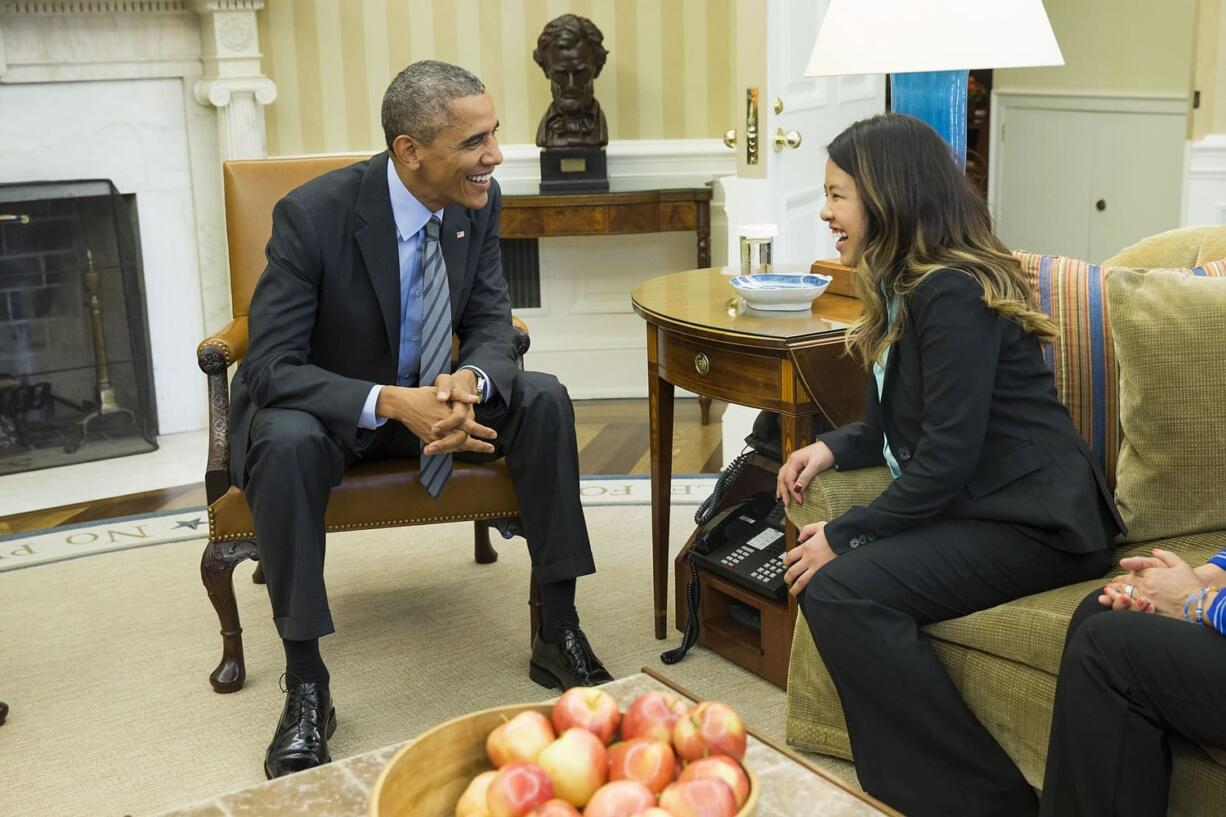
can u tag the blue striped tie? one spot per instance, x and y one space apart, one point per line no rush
435 345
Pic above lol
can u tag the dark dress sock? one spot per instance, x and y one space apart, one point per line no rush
303 663
557 608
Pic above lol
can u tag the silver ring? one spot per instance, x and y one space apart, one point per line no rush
1129 590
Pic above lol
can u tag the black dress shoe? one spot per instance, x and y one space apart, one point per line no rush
568 662
301 741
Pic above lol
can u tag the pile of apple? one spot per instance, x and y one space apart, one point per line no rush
669 760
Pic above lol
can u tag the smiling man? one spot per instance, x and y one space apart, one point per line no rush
371 268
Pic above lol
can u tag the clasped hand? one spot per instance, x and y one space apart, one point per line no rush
442 415
1159 584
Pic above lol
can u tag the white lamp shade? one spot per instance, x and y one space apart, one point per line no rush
899 36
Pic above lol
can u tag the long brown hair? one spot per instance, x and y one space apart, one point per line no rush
922 216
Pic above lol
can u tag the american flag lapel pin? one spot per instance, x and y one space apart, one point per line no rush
459 234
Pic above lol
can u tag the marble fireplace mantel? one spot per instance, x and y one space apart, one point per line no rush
153 95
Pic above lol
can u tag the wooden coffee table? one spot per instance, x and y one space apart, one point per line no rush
791 785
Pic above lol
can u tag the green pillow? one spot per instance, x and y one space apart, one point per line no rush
1170 344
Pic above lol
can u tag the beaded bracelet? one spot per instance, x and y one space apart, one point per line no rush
1187 605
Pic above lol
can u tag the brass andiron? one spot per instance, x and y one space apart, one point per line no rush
103 390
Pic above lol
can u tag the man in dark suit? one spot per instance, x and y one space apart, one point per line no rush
370 270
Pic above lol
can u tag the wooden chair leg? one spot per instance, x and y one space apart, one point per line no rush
217 572
535 616
704 405
258 576
483 551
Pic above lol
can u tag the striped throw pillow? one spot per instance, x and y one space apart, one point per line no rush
1082 358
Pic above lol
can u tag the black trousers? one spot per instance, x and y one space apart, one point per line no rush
1127 681
293 462
915 743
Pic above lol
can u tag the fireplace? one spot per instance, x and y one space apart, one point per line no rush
76 381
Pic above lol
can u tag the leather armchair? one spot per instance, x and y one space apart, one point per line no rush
372 495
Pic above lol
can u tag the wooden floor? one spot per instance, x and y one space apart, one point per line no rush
612 435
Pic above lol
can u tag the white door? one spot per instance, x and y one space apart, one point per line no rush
773 41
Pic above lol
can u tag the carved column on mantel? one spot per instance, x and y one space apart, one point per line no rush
233 80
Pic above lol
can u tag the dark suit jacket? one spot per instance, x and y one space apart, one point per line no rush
972 417
325 315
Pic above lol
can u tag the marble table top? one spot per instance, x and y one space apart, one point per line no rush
790 786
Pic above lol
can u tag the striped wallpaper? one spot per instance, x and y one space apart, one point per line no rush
668 76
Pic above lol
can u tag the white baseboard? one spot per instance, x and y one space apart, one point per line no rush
1205 202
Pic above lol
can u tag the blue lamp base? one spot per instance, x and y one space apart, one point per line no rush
939 99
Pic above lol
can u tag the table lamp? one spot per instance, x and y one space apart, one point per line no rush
928 46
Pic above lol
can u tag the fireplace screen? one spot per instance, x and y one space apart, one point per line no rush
75 377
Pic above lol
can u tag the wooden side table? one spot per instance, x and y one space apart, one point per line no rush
628 208
701 337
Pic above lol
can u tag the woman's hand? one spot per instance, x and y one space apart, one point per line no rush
810 555
1161 584
796 474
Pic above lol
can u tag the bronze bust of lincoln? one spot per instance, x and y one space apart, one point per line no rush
570 51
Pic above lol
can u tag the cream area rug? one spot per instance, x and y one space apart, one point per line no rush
105 654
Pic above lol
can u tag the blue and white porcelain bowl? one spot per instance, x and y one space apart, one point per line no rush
780 292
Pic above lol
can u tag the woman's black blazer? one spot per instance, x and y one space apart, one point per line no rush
971 413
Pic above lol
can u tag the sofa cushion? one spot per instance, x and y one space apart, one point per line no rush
1170 347
1082 358
1031 630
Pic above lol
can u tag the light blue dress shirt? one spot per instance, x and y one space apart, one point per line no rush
411 217
879 374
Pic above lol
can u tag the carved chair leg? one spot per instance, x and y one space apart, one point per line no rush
258 576
535 616
483 551
217 572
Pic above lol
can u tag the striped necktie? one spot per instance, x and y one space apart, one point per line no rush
435 344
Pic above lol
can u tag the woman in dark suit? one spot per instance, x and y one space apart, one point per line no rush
994 497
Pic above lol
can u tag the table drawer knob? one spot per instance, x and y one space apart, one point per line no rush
702 364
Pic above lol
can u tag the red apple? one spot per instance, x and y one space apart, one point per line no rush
720 767
652 715
588 708
472 801
710 728
516 789
622 798
699 798
651 762
555 808
520 739
577 763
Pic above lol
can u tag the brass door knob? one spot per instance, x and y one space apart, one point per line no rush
702 364
790 139
1100 205
730 138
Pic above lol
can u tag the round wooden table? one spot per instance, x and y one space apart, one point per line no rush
702 337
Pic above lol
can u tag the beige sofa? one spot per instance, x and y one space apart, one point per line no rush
1005 660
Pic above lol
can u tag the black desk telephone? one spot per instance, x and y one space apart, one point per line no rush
744 543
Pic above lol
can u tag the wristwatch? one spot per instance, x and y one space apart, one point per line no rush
480 385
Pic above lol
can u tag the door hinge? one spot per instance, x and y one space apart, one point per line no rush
1195 100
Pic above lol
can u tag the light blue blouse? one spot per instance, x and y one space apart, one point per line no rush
879 366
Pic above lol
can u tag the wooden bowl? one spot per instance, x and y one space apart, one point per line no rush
425 778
